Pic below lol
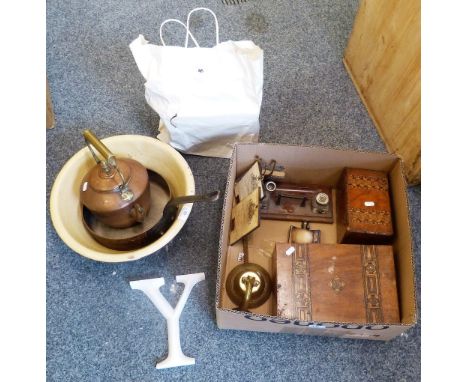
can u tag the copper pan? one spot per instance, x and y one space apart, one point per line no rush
161 215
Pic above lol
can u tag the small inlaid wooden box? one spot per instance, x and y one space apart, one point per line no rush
364 214
336 283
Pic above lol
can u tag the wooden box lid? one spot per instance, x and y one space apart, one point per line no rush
336 283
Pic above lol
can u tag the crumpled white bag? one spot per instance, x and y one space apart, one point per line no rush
207 98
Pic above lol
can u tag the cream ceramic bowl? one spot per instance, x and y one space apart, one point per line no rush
66 211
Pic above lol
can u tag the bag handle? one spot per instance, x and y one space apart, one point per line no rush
188 25
186 36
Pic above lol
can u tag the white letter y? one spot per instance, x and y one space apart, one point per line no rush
150 287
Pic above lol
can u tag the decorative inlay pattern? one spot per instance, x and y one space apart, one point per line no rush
337 284
368 182
301 288
377 217
370 277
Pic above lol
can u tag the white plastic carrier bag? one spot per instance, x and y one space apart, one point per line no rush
207 98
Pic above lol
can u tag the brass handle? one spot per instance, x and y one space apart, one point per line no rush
103 150
249 283
109 165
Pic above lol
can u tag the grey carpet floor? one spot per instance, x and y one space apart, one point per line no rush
98 329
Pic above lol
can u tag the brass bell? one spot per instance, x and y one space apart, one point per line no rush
248 286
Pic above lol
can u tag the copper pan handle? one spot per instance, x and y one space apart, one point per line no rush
103 150
210 197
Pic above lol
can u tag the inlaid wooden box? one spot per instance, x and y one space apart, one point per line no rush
336 282
364 212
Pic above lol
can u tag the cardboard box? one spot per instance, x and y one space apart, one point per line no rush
320 166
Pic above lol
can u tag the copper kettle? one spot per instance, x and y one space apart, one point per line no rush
116 190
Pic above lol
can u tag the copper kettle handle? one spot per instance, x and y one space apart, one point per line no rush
103 150
109 163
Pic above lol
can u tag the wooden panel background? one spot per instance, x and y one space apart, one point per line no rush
383 58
